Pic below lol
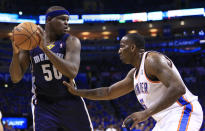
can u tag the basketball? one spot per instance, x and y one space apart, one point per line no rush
25 36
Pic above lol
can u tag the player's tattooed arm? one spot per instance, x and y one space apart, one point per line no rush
105 93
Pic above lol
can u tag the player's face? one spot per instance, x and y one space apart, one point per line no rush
60 24
125 50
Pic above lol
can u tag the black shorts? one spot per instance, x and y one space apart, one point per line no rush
64 114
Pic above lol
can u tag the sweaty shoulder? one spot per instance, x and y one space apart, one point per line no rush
73 42
155 62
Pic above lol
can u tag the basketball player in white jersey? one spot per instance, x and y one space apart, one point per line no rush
158 87
1 125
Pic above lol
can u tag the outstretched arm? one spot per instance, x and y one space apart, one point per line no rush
105 93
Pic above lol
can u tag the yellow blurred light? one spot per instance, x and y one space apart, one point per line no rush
106 33
153 30
132 31
153 34
85 33
106 37
85 38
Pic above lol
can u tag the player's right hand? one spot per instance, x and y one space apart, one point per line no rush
16 50
71 87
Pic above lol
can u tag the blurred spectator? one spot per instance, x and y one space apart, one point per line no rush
8 127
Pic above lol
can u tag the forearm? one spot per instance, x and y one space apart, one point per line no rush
169 98
65 67
15 69
94 94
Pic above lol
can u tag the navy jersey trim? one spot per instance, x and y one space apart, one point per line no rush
65 37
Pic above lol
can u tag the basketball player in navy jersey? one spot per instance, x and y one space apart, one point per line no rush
157 85
55 60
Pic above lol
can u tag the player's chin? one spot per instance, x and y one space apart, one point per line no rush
62 33
65 30
123 61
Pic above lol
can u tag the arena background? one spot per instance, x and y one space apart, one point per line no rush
173 27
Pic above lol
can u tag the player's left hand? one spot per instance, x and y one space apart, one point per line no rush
137 117
41 34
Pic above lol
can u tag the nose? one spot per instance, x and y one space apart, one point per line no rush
66 22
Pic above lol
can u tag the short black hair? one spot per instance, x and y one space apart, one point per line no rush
53 8
137 39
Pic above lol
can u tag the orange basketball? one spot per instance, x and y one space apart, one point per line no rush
25 36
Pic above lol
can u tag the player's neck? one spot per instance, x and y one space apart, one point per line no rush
50 36
137 61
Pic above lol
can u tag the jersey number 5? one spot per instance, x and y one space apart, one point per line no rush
48 74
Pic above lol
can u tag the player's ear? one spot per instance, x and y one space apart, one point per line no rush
133 47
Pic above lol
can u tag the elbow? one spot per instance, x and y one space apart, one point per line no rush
15 80
72 74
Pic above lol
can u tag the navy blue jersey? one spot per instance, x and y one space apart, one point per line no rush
47 80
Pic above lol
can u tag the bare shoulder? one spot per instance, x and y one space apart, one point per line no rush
154 57
156 61
72 38
73 42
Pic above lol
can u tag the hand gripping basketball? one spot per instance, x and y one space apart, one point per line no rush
25 36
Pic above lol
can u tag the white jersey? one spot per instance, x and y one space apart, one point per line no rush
150 92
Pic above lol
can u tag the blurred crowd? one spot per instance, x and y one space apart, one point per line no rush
97 6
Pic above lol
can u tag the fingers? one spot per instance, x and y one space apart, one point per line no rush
12 35
129 117
40 29
133 125
67 84
128 122
40 32
70 87
16 49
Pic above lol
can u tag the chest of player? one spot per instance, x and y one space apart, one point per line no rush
38 56
143 85
141 88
